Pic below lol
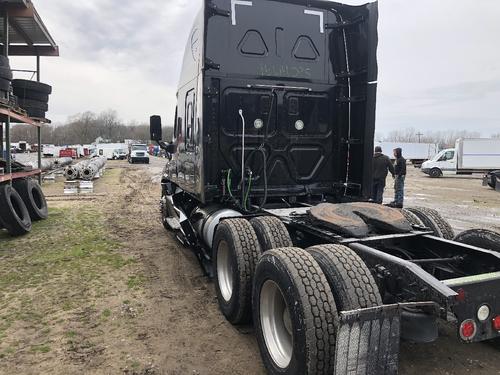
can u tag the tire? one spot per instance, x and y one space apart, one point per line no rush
35 112
30 94
435 173
236 252
4 85
14 214
271 232
24 84
28 103
412 218
434 221
291 291
485 239
350 280
494 180
33 197
6 73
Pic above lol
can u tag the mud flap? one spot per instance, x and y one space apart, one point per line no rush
368 341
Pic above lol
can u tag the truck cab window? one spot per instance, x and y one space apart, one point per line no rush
189 118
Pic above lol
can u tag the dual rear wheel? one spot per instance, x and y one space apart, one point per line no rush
293 296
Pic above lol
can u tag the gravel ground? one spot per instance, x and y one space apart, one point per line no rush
154 312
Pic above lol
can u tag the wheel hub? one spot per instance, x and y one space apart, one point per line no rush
225 271
276 324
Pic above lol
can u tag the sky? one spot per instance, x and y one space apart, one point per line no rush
439 61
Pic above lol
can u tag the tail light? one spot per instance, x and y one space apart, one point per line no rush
468 330
496 323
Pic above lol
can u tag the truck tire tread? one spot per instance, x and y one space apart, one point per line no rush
240 235
482 238
432 219
352 283
315 300
412 218
271 232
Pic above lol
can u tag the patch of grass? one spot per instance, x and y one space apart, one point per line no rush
71 334
58 267
106 313
135 282
40 349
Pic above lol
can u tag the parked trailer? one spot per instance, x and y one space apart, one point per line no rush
268 180
416 153
469 156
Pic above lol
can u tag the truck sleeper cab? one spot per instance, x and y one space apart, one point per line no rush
267 182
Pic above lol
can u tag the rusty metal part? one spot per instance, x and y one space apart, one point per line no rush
382 217
359 219
340 218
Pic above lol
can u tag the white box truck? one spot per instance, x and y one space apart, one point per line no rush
417 153
469 156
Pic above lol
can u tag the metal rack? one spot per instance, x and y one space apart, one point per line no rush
22 33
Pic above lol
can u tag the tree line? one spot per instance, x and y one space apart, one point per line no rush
85 128
445 139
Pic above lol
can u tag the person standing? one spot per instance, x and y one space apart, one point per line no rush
382 165
399 179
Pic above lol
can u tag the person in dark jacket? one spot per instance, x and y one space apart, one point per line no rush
382 165
399 179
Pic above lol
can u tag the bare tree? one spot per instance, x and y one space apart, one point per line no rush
85 128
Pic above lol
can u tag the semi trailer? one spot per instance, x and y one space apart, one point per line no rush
416 153
268 180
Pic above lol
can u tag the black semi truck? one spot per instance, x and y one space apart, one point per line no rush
268 182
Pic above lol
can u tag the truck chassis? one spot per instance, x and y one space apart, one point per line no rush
420 277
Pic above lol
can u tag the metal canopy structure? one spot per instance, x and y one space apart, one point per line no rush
22 33
27 34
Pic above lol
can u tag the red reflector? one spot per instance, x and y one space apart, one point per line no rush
461 295
496 323
468 329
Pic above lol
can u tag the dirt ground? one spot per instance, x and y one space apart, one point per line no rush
102 288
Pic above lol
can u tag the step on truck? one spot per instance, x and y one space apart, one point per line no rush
268 180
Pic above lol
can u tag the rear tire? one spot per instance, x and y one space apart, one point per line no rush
236 252
271 232
14 214
33 197
434 221
485 239
350 280
412 218
294 313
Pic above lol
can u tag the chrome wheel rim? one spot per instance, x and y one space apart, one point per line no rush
276 324
225 271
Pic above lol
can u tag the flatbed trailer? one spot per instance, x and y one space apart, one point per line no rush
268 180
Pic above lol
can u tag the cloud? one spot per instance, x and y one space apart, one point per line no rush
438 62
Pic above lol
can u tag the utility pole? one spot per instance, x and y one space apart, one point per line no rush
419 135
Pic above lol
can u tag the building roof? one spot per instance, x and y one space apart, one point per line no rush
28 36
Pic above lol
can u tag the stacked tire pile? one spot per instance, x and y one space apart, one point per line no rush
6 80
20 205
32 96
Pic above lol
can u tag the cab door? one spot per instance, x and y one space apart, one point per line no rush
447 162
